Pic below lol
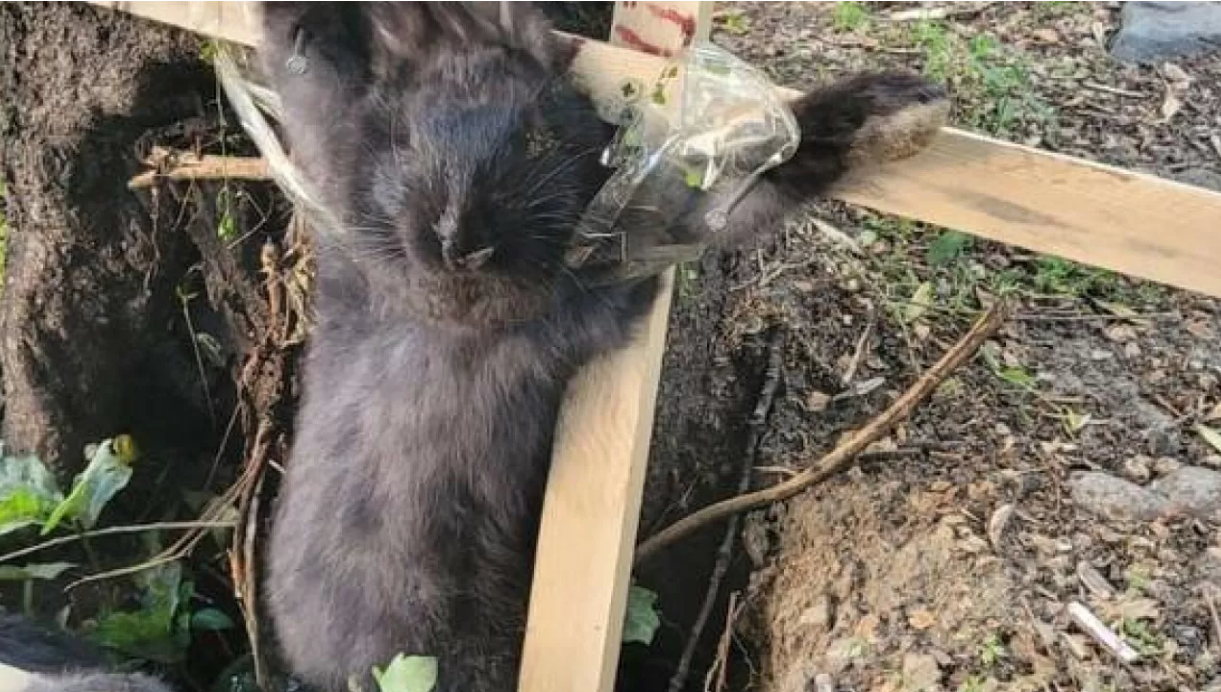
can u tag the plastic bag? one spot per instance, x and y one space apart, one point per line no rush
712 122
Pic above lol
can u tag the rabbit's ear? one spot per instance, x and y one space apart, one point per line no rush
322 45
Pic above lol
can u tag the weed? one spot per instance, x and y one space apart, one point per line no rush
686 277
992 85
849 16
1138 579
972 684
1138 633
1060 276
226 227
735 23
208 51
992 651
947 248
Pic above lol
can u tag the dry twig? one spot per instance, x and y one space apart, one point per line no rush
757 426
720 667
842 456
182 165
242 552
116 530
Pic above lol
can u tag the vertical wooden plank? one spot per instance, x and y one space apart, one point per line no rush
592 508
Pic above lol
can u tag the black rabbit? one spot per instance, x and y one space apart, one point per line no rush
457 157
37 659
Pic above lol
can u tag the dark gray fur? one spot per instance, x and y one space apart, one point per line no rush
62 663
409 511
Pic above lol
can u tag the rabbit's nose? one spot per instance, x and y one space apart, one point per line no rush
456 257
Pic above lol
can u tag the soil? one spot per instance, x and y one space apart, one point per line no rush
945 560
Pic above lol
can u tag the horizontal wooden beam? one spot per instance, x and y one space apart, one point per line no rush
1136 224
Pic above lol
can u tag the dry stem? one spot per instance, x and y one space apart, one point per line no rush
170 165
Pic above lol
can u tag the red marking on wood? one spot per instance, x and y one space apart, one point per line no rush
685 22
635 42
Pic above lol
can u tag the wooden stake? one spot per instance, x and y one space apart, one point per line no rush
592 508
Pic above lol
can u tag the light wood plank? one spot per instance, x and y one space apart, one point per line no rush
1136 224
592 508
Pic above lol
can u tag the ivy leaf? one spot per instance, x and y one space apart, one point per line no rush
642 619
407 674
28 493
211 620
46 571
108 472
156 631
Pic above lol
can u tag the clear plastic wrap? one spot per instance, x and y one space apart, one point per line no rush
710 123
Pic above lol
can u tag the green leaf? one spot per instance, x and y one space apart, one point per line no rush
407 674
1074 421
1017 376
28 493
919 304
948 246
642 619
156 631
211 620
1210 435
47 571
106 474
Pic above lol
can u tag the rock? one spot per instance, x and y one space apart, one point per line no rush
1191 489
921 673
1136 469
1164 441
840 653
1114 498
1164 466
1153 31
818 616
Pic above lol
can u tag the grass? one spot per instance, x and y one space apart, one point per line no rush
992 651
992 85
849 16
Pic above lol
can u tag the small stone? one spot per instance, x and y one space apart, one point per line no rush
1115 498
1164 441
1131 351
1121 333
921 619
817 616
1191 489
1156 30
1165 465
920 673
840 653
1136 469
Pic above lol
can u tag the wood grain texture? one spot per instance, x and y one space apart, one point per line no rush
591 512
1135 224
